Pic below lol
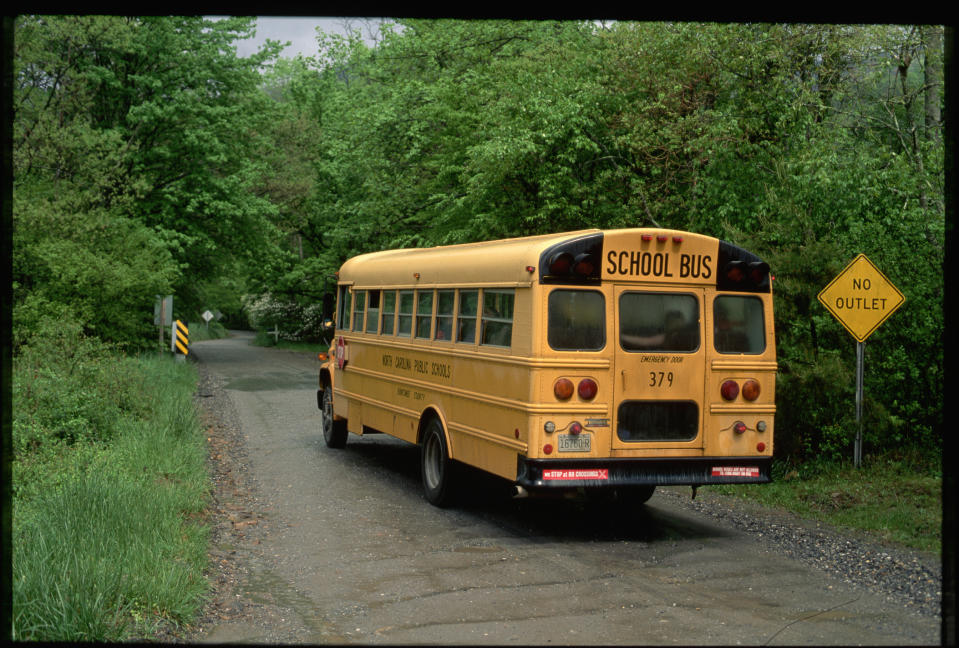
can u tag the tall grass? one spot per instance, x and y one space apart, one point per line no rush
107 494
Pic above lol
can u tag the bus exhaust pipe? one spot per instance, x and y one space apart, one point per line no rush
519 492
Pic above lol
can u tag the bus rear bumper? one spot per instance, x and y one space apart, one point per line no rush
540 474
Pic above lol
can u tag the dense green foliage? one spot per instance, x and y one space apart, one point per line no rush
150 158
109 468
136 168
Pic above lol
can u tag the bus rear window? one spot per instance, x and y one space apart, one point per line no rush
658 322
577 320
739 325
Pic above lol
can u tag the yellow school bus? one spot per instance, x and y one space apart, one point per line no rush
606 360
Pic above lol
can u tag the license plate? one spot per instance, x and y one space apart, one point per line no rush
574 442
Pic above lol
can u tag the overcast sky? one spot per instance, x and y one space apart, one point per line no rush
299 31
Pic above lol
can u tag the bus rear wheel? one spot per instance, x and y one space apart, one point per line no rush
436 466
334 432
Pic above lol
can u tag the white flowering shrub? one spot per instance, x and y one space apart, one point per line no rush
295 323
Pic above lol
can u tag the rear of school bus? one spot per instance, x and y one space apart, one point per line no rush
661 367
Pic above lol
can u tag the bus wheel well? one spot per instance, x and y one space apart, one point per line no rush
428 415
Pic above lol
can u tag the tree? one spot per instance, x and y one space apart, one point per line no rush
151 124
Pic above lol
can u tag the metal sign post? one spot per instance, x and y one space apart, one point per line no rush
857 450
861 298
162 314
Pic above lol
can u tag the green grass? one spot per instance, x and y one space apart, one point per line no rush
894 498
108 538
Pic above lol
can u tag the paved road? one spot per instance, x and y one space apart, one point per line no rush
342 548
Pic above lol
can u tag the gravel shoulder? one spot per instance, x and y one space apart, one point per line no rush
239 522
912 579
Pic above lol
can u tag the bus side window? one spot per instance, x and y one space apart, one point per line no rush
405 320
373 311
359 305
466 318
424 313
344 303
389 311
497 317
444 315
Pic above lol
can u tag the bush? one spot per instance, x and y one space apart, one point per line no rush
68 388
295 322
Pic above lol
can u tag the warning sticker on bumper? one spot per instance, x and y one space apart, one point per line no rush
594 473
735 471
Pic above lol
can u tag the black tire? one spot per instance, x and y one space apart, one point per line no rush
436 467
334 432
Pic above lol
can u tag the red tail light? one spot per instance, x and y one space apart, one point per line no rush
587 389
739 427
751 390
729 390
575 427
563 388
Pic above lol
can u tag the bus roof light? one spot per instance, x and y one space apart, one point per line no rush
677 239
561 263
647 237
758 270
735 271
583 264
662 238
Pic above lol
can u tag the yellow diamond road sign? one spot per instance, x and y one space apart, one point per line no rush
861 297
